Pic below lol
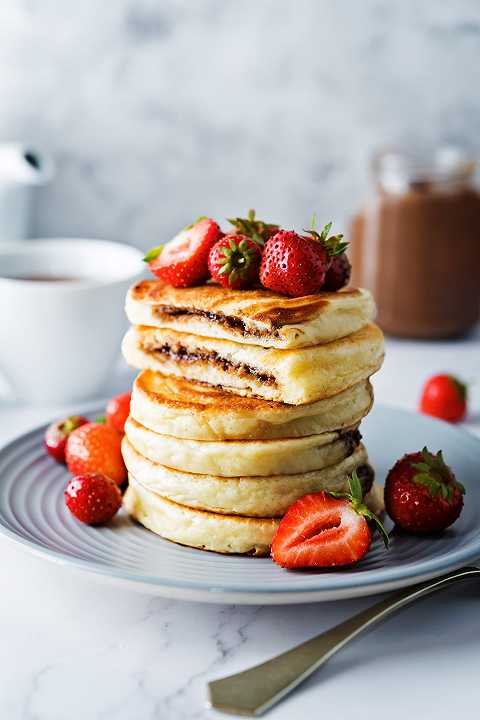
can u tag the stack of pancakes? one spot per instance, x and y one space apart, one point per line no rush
246 401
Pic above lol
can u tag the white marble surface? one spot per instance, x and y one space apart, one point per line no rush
74 649
157 112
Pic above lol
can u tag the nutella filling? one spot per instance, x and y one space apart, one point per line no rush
366 476
351 438
181 354
233 323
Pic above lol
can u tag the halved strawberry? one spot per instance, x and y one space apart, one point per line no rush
325 530
183 262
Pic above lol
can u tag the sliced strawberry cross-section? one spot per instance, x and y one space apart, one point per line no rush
325 530
183 262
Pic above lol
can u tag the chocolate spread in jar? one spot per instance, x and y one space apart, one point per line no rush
416 246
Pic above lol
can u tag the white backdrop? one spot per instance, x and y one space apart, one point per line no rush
160 111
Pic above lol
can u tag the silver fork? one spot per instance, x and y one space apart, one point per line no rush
254 691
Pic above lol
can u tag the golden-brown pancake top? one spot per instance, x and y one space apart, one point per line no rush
261 305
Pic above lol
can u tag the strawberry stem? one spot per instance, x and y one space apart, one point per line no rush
335 245
237 258
355 496
436 476
258 230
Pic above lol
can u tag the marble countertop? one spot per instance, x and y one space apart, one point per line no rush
73 648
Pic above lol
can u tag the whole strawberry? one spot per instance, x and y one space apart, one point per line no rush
118 409
338 274
445 397
297 265
57 433
234 261
95 449
422 495
93 499
183 262
293 264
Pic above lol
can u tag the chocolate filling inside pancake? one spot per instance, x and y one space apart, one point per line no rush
235 324
351 439
366 476
180 354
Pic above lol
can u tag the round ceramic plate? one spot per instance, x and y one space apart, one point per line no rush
33 513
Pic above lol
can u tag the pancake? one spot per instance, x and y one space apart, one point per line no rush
254 317
251 496
297 376
185 409
230 534
233 458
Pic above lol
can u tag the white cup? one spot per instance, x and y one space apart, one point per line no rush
59 340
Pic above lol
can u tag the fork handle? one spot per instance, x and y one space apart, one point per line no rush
254 691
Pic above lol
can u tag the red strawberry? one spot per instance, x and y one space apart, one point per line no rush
118 409
57 433
234 261
325 530
444 397
293 264
422 495
338 274
258 230
93 499
95 449
183 262
297 265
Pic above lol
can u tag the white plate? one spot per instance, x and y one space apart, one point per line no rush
33 513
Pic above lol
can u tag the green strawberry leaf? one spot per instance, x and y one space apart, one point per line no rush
195 222
69 425
258 230
153 253
334 244
101 420
355 496
377 523
435 475
236 258
355 487
326 230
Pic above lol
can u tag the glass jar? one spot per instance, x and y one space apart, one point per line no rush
416 243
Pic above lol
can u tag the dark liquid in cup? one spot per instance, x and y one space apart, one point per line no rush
43 278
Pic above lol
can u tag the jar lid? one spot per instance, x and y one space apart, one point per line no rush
399 170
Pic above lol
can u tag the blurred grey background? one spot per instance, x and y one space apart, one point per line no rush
158 111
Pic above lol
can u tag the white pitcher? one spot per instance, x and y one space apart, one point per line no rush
22 171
